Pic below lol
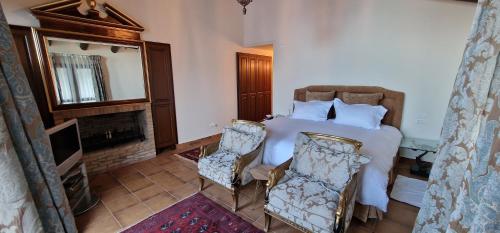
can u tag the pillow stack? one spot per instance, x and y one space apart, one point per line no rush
355 109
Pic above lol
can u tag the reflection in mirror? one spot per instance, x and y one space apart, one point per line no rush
86 72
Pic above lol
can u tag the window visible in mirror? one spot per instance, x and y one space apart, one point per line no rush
79 78
86 72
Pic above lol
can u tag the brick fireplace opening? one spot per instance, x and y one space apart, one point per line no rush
111 130
114 136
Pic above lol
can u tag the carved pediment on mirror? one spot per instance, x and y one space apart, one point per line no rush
87 17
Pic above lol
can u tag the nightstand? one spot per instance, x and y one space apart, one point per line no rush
260 174
421 167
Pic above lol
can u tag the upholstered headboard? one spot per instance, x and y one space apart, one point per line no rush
392 100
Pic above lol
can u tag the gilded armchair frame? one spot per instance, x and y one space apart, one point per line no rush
240 164
347 196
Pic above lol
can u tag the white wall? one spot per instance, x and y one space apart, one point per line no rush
204 37
414 46
123 71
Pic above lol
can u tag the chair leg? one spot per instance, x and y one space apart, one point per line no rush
267 219
202 182
235 199
257 189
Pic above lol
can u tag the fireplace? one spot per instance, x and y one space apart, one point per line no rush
113 136
110 130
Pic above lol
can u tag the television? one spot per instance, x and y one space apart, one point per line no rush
66 145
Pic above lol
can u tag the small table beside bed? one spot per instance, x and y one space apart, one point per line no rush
380 144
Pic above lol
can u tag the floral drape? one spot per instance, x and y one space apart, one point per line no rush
17 209
463 193
24 129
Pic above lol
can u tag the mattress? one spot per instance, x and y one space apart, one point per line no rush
381 145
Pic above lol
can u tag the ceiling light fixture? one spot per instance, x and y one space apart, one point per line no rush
244 3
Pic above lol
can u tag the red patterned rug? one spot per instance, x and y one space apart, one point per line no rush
194 214
193 154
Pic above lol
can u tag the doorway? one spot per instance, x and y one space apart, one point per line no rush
254 86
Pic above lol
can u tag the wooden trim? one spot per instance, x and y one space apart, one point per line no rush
112 10
55 5
42 34
68 19
102 110
56 11
253 55
85 36
29 58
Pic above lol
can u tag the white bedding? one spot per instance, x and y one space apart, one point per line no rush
381 145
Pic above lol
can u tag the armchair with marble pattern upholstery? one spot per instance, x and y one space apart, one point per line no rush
228 162
315 190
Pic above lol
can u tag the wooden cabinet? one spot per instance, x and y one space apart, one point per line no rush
27 55
162 94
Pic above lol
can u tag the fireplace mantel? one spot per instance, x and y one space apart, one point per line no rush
63 115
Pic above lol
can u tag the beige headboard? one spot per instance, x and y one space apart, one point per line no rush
392 100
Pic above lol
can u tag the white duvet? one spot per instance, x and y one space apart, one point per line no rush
381 145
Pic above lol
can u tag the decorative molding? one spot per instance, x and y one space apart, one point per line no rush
65 15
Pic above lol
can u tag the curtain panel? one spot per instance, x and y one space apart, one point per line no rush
463 192
32 146
17 209
79 78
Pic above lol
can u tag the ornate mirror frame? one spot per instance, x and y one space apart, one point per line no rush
63 19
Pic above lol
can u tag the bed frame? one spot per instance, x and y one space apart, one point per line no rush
393 101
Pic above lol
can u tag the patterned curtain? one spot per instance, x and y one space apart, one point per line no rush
25 134
17 209
79 78
463 193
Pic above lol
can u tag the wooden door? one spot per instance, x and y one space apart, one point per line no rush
162 94
27 54
254 86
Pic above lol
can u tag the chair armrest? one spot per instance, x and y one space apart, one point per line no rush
345 199
275 175
209 149
243 161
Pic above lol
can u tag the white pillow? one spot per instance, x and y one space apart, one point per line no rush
311 110
360 115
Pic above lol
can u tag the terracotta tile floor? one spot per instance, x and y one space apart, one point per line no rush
132 193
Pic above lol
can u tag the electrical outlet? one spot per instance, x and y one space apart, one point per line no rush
213 125
421 119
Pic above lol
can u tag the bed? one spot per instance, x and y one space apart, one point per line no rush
382 145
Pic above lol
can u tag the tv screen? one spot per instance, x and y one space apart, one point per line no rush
64 143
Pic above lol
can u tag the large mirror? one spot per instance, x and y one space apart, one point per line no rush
91 72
